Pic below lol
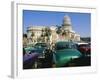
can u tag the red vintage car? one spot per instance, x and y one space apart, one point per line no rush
85 49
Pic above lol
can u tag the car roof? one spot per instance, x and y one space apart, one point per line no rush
81 43
62 42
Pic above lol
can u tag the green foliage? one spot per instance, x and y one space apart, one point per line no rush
46 33
25 35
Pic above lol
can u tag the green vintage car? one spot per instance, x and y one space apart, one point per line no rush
64 53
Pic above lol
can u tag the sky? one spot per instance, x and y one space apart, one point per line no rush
81 22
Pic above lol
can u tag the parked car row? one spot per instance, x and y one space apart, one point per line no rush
65 54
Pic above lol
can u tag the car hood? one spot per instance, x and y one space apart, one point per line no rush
39 50
32 56
29 48
64 56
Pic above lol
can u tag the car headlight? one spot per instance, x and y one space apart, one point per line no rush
75 57
43 51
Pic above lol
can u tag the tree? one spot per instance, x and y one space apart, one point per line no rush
58 29
65 33
32 35
25 40
24 35
43 35
46 33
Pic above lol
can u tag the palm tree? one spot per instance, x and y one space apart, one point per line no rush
61 32
43 36
65 33
32 35
68 32
24 35
25 40
58 29
46 33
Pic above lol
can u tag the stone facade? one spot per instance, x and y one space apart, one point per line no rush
66 26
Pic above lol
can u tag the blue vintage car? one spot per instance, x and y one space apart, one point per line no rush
32 54
65 52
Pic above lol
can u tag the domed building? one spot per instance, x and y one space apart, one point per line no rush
67 33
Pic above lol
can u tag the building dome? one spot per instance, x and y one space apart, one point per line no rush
66 20
66 25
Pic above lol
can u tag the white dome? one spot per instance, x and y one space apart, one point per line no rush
66 20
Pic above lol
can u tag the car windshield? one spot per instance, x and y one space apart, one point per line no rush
84 45
60 46
40 45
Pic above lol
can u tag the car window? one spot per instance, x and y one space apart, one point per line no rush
84 45
65 46
73 46
43 45
61 47
40 45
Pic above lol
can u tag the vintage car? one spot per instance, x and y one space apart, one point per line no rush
64 53
29 60
40 47
33 54
85 49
